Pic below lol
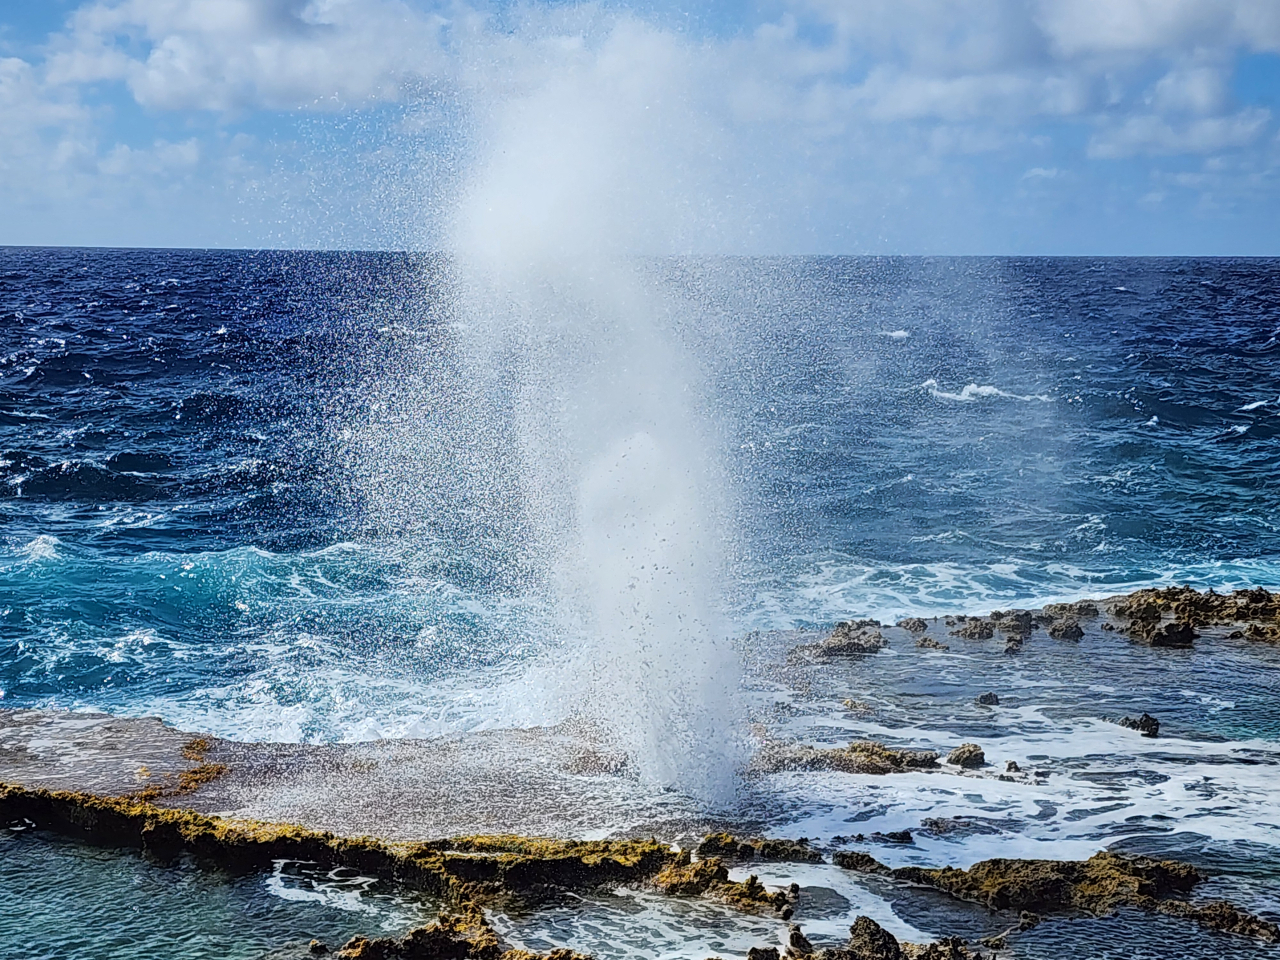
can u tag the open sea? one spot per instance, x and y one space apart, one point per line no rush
197 523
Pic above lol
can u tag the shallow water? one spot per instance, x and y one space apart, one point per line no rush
64 901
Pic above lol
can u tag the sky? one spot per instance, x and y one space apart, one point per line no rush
1038 127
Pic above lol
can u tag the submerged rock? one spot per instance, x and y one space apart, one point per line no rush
928 643
861 756
987 700
967 755
1146 724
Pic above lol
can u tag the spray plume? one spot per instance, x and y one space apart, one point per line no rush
581 170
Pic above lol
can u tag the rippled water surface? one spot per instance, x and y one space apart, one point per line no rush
203 517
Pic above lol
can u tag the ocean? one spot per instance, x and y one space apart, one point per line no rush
227 500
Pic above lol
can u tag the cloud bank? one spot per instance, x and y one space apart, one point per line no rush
804 125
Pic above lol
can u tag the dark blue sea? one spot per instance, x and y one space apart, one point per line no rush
199 519
187 530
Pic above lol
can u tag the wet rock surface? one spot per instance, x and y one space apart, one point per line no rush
1097 886
967 755
861 756
1146 724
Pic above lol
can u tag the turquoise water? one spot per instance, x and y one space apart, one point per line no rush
66 901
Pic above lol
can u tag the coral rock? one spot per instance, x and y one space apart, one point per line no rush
1066 629
967 755
870 941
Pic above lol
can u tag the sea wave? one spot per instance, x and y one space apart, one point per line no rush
973 391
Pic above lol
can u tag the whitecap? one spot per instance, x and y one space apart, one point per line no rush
42 547
895 334
974 391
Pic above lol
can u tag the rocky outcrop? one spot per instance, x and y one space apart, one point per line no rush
870 941
1068 628
913 625
987 700
1175 635
852 638
967 755
1146 724
861 756
975 628
1097 886
709 877
1014 624
1080 609
729 847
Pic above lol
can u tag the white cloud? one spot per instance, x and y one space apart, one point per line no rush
830 106
1151 134
229 55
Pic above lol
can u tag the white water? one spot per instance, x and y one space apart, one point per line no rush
614 460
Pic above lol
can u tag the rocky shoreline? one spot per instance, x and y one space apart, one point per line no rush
142 785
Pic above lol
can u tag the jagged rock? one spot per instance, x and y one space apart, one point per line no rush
967 755
731 848
948 948
709 877
1255 605
851 638
1081 608
1014 623
928 643
1176 635
763 953
1013 646
914 625
798 944
1067 628
318 947
1146 724
988 700
975 629
1011 766
870 941
862 756
1098 885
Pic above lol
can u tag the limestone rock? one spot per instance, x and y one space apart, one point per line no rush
1067 628
967 755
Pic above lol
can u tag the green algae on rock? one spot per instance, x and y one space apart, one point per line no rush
1097 886
729 847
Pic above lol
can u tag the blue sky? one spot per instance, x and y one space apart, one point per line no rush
793 126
